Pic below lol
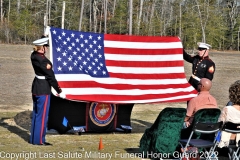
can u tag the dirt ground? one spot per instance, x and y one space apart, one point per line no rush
17 75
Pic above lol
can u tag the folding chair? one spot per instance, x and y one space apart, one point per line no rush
233 128
202 115
202 128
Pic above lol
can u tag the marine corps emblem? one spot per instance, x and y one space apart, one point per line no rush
211 69
102 114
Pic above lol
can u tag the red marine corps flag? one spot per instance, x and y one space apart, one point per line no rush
119 68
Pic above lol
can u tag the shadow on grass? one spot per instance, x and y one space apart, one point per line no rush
23 119
132 150
137 153
139 126
14 129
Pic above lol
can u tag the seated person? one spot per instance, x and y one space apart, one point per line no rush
203 100
231 114
229 102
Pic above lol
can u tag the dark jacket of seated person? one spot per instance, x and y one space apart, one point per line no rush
203 100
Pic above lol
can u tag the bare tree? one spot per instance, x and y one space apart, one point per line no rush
180 18
1 8
45 21
114 6
233 13
6 31
130 16
63 14
47 13
90 15
9 8
105 16
81 16
95 16
151 17
5 25
203 20
139 16
162 18
18 5
101 18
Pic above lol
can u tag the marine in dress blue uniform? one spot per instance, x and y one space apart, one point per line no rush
41 91
202 65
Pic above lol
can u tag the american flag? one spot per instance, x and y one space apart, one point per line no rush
112 68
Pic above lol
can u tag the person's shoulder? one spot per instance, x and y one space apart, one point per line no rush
33 52
214 100
231 110
210 60
38 57
226 108
33 55
212 96
194 99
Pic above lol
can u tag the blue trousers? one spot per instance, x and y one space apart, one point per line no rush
39 118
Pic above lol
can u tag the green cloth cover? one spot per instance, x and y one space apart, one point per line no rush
163 135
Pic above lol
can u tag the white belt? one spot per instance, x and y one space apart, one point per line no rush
195 77
40 77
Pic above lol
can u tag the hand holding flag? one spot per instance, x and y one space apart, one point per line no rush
62 95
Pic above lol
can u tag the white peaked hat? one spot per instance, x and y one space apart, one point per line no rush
203 45
41 42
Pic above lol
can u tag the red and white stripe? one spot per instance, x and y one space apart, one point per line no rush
142 70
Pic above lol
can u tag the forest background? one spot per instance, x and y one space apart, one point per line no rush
216 22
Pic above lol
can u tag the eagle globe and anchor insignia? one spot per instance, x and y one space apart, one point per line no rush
102 114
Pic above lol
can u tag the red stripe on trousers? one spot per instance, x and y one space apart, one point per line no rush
43 118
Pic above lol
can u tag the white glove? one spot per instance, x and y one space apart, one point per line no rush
62 95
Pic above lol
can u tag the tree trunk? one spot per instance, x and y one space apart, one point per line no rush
95 16
9 8
105 16
114 6
63 14
7 29
90 16
162 20
101 18
140 16
203 25
1 8
180 20
81 15
49 12
130 17
151 17
18 5
25 31
233 15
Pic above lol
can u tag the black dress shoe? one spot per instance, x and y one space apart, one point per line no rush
46 144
